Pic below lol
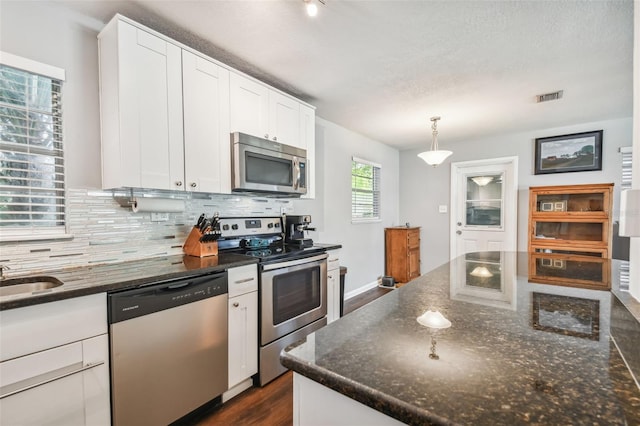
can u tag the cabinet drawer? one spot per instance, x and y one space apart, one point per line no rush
51 324
413 239
242 280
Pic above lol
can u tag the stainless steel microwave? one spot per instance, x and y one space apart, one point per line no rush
261 165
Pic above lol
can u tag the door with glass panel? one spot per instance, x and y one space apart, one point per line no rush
484 206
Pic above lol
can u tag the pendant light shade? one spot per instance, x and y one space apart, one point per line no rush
435 156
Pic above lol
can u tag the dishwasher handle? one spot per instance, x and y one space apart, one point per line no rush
133 303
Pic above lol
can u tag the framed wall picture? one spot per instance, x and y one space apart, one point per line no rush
578 152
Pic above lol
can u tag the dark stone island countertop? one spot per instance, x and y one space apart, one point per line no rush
85 280
517 352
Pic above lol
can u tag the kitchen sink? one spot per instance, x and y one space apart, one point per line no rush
26 285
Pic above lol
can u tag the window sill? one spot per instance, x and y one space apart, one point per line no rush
365 221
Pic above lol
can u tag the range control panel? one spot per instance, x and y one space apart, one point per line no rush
242 226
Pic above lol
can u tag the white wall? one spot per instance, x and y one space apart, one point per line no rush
363 243
423 188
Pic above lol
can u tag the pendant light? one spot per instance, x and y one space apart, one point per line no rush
434 157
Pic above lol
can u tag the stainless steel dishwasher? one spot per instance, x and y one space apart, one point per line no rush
168 348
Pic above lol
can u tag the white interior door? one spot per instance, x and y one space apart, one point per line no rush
484 206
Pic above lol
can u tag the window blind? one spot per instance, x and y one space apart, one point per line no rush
32 190
626 152
365 190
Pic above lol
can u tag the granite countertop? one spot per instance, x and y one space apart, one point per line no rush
82 281
517 352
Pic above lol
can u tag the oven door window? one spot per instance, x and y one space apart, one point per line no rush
295 293
269 170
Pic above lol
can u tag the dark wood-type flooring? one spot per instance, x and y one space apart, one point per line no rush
271 405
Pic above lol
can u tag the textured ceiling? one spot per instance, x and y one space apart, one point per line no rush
382 68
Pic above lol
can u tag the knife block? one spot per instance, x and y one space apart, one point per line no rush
194 247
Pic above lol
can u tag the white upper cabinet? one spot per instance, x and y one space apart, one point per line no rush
206 125
284 119
261 111
308 142
141 109
249 105
167 112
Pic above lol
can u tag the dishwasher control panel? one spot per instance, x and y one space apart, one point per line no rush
129 304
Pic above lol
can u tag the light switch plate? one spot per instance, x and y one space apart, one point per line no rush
442 208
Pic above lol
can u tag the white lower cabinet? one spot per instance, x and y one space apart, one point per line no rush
66 383
333 286
243 328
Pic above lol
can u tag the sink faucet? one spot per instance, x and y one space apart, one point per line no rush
2 269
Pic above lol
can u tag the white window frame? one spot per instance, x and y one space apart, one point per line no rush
29 233
378 218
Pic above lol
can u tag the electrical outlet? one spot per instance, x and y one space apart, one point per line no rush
159 217
442 208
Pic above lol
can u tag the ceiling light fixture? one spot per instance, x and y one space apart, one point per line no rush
312 7
482 180
434 157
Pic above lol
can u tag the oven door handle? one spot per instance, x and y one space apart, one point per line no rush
302 261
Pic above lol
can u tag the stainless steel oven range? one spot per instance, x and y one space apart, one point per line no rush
292 286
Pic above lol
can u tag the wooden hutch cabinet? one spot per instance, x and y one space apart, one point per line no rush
402 253
570 232
571 219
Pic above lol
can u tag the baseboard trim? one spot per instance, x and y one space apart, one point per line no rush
360 290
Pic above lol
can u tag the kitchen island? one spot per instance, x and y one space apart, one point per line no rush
517 352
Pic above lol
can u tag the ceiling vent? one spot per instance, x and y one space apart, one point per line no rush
554 96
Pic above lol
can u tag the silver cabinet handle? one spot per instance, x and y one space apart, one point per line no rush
246 280
459 232
266 135
236 304
275 138
459 223
45 378
179 183
193 184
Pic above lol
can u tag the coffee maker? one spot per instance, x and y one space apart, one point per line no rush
295 226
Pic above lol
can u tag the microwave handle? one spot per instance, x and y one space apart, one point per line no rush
296 167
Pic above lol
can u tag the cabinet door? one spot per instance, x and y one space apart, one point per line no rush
284 120
414 263
206 131
150 111
333 295
249 102
308 142
243 337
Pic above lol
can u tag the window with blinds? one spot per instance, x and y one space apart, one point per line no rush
32 189
365 190
626 152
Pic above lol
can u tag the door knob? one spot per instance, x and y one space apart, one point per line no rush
459 232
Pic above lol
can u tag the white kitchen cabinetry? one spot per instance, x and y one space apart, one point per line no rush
261 111
140 109
54 367
164 113
308 142
206 125
243 328
333 286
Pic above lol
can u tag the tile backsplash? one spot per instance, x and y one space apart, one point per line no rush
104 232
